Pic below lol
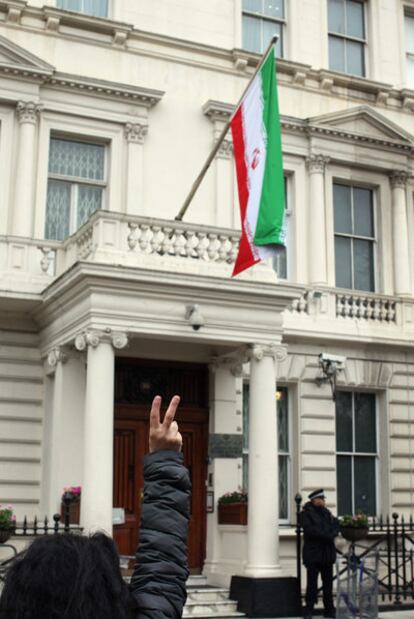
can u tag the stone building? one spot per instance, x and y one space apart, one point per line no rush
108 109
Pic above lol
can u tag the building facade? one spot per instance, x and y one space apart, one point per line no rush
108 109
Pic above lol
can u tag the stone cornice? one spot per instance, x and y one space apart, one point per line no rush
118 30
218 110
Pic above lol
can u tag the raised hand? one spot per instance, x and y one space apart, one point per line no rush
165 434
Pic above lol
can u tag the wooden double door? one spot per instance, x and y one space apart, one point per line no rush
130 446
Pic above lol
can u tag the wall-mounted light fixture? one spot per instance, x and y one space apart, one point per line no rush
194 316
330 365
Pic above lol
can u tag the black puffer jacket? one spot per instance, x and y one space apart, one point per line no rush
320 528
158 582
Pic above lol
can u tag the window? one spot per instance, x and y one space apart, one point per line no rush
75 185
346 26
409 46
282 407
354 237
98 8
356 452
261 20
280 262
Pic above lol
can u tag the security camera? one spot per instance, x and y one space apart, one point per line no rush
328 358
195 317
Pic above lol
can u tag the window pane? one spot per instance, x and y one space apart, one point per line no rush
342 208
410 72
269 29
252 33
355 58
355 19
283 487
336 16
90 200
253 5
343 264
57 210
76 159
365 423
246 396
70 5
274 8
409 33
246 472
99 8
280 262
336 54
363 265
364 480
344 484
343 412
363 216
282 419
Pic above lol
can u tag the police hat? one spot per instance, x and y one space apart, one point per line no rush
317 494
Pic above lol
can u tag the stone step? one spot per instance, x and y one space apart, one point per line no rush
196 580
224 608
207 594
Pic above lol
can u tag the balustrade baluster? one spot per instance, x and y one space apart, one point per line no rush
132 236
155 242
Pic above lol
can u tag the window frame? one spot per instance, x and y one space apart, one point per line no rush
345 37
288 454
288 219
374 455
268 18
76 181
82 12
374 240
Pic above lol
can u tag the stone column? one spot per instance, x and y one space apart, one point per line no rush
401 262
263 511
224 473
317 227
23 211
135 134
64 457
97 491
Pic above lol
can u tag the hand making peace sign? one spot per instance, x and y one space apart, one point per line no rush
164 435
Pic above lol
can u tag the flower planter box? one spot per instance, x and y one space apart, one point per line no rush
74 512
354 534
232 513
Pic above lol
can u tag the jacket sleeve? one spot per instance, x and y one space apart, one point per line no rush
158 582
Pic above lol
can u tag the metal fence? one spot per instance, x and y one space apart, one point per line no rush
392 539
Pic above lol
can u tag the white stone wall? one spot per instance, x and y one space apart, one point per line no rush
21 414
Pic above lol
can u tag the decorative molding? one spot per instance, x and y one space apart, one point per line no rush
14 11
259 351
226 149
218 110
136 132
316 163
398 179
93 338
57 355
28 112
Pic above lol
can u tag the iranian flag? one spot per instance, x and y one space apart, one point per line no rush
258 154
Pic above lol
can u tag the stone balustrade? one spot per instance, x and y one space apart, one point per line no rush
371 307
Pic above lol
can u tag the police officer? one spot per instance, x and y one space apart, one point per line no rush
320 528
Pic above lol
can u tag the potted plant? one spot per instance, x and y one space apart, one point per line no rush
71 501
354 527
232 508
7 523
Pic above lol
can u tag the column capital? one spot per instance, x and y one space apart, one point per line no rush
118 339
28 112
398 179
316 163
260 351
233 363
58 354
136 132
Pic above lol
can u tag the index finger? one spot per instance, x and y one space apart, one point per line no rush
170 413
155 412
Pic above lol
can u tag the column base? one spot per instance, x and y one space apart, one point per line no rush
266 597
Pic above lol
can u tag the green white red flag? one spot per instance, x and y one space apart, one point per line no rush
258 154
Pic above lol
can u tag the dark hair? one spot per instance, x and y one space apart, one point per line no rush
66 577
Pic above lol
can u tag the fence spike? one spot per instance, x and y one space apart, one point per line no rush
25 525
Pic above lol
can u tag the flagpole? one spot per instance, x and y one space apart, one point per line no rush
222 135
